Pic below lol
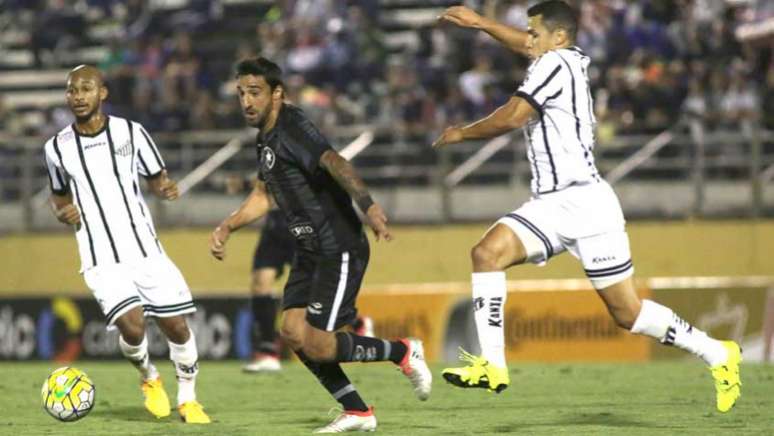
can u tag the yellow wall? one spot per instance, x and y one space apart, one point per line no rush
49 262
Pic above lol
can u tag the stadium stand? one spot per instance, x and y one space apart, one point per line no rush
386 66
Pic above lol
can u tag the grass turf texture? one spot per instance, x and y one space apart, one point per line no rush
632 399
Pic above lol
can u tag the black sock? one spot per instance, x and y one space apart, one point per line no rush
354 348
332 377
264 308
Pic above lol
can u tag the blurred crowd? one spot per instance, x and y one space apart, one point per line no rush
653 62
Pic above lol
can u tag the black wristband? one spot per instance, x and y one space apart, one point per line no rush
364 202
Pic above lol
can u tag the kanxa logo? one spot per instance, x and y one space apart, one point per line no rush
188 369
314 308
478 303
600 259
496 312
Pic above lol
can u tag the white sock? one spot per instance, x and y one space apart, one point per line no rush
662 323
489 295
138 356
185 358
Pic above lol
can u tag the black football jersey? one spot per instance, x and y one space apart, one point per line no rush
319 212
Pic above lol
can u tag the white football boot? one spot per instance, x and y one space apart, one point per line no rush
351 420
263 364
415 368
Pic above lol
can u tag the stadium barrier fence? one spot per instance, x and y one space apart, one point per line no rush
546 321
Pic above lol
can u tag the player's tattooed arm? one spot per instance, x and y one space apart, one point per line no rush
512 115
163 187
344 173
511 37
256 205
65 210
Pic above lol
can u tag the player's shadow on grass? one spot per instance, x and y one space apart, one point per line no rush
606 419
128 413
603 419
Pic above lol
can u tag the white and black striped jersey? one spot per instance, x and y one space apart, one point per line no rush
101 171
560 139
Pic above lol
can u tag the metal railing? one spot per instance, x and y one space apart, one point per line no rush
687 156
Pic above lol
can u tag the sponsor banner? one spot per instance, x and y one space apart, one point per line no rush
66 329
424 316
742 313
544 321
567 326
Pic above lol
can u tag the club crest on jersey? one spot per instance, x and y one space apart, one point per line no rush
124 150
267 158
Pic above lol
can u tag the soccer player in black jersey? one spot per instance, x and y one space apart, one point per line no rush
315 187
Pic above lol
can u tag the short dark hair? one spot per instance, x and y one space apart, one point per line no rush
556 15
260 66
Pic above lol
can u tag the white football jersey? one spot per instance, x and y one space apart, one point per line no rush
560 139
101 171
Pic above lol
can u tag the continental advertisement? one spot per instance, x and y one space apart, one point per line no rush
545 321
743 312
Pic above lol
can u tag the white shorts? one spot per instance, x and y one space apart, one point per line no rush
154 283
585 220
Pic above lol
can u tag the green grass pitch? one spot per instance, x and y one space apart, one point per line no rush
544 399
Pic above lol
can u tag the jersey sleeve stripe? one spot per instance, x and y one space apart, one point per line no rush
130 128
531 100
153 148
60 187
547 81
145 166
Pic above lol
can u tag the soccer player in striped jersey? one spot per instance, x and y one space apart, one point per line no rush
572 208
94 166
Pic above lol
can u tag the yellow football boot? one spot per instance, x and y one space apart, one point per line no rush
156 400
191 412
478 374
728 384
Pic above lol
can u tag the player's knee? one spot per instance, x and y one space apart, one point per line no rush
133 332
292 337
177 330
483 257
317 349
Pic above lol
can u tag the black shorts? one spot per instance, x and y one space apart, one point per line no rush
327 286
276 247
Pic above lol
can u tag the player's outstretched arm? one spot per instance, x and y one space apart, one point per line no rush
163 187
344 173
65 210
511 37
512 115
256 205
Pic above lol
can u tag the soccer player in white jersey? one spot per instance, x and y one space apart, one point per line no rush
572 208
93 167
